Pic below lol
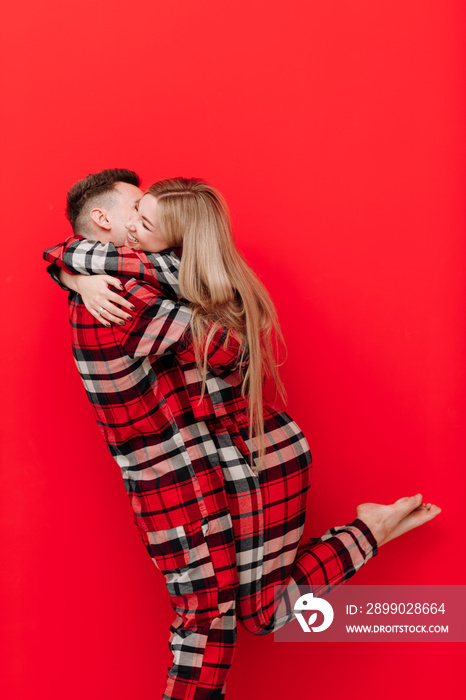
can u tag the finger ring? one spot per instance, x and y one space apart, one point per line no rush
100 311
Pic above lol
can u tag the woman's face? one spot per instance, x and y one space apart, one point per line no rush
143 231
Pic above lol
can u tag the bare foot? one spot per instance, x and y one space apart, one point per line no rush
388 522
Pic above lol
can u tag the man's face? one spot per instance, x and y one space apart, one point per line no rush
126 202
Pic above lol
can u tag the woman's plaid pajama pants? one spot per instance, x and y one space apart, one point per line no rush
241 564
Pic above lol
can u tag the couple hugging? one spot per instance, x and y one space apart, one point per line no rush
173 335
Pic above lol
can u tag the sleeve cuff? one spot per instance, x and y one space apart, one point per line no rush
367 540
53 271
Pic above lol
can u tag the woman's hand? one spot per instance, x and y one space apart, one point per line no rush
100 301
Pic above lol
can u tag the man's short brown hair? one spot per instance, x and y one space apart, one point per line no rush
94 190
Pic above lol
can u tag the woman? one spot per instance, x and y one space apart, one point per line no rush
247 563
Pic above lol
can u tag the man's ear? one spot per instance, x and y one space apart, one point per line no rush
100 217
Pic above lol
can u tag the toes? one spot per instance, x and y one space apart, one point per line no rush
425 506
421 515
409 503
413 520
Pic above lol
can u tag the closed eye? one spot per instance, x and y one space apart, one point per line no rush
136 206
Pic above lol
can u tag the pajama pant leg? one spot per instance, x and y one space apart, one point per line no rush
268 514
198 561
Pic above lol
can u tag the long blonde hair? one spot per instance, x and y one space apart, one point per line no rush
222 289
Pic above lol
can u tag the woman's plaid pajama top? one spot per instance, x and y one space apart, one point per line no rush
227 540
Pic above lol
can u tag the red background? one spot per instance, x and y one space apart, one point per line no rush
336 132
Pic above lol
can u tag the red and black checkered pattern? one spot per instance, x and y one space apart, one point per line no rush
143 384
247 564
225 538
